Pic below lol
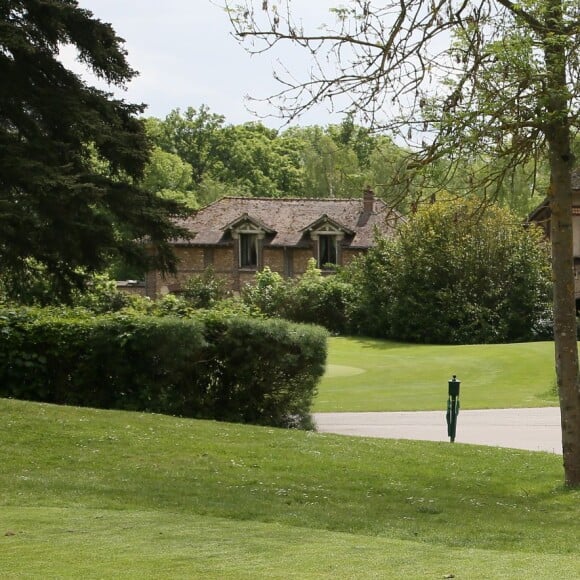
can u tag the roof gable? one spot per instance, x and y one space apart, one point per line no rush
245 221
327 224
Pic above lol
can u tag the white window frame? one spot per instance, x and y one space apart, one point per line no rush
327 231
244 231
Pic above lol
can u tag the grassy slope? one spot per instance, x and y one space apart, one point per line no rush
98 494
372 375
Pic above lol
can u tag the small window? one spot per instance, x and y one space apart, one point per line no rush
327 250
248 250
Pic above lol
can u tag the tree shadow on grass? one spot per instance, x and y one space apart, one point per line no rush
381 344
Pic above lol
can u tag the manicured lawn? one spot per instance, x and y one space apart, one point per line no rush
373 375
100 494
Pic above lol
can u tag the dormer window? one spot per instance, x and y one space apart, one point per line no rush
327 234
327 249
249 234
248 250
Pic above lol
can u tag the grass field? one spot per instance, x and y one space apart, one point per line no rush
102 494
373 375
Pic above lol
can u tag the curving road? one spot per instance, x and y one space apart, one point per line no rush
532 429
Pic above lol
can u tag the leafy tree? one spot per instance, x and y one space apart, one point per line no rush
258 162
168 176
456 274
56 210
193 135
331 167
487 85
248 159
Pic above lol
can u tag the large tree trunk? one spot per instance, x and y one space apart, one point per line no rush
561 161
566 350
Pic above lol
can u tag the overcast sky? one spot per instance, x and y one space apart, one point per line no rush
186 56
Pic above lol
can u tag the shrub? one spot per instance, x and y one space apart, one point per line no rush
318 299
312 298
268 293
205 290
263 371
456 274
211 366
102 295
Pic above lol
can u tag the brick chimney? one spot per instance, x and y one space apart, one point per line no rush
368 200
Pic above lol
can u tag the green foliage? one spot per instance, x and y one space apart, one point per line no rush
30 285
35 287
319 299
263 371
257 162
211 366
457 273
102 296
268 293
59 207
312 298
168 176
371 277
193 135
333 161
205 290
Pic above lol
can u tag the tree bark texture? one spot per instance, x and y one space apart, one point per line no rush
566 350
561 162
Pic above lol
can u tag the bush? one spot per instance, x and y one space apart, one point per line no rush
456 274
312 298
102 295
268 293
319 299
213 366
205 290
263 371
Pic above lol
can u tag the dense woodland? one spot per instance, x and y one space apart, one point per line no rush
198 157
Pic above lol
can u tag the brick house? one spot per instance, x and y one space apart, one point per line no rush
238 236
541 216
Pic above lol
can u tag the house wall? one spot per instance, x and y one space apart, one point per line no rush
300 259
192 260
349 255
274 258
224 261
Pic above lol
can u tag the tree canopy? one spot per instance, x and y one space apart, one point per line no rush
58 208
338 160
457 273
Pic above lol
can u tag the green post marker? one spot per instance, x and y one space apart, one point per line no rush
453 407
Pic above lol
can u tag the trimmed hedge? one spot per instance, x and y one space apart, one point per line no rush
213 367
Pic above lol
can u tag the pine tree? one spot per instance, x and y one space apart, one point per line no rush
59 208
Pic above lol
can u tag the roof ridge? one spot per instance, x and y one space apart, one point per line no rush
262 198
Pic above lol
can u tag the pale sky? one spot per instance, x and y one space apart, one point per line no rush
186 56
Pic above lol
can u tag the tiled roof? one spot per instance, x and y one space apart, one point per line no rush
287 218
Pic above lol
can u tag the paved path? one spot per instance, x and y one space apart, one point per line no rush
533 429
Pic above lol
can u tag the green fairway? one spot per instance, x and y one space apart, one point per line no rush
375 375
101 494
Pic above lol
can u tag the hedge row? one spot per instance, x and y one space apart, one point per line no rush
232 369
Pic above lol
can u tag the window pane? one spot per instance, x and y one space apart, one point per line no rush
326 250
248 250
